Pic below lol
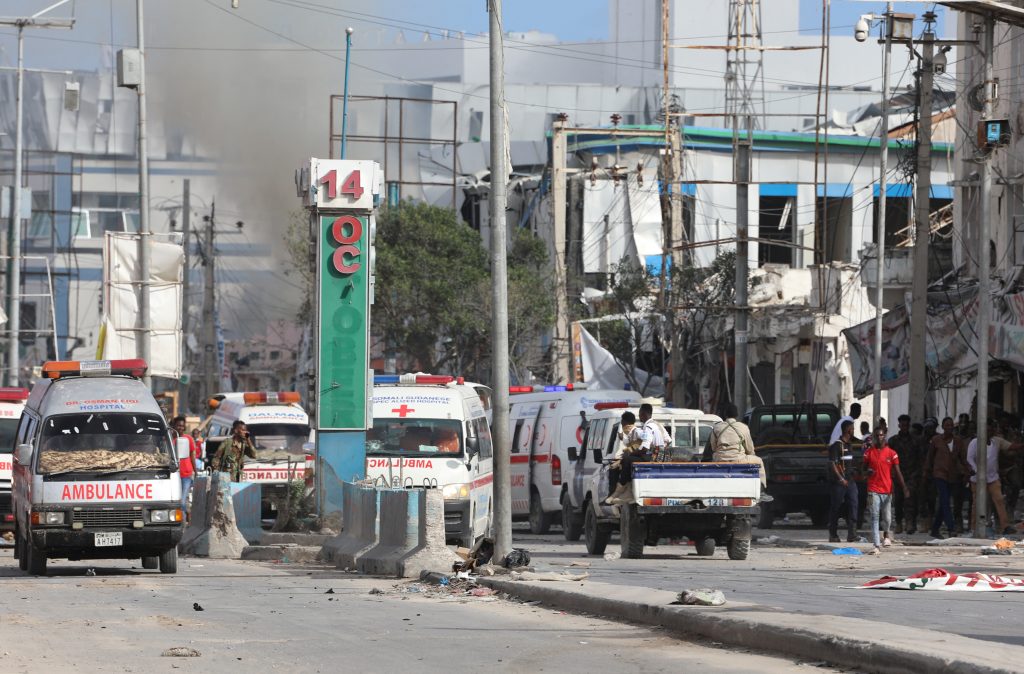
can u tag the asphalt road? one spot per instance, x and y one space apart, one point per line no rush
263 616
805 581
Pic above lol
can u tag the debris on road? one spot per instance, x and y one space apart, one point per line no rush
376 590
612 556
330 591
180 652
197 607
702 597
8 536
767 540
548 575
518 557
846 551
940 579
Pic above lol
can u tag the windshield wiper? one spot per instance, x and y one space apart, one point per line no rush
110 471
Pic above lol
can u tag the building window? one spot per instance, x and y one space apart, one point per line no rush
275 355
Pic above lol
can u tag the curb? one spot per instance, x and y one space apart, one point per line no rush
843 641
281 552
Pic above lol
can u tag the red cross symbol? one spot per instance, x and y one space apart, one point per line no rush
403 410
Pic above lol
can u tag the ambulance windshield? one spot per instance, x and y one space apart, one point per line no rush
8 429
274 439
414 437
104 443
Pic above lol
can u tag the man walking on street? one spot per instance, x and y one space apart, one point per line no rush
841 484
908 448
880 461
946 465
996 444
186 467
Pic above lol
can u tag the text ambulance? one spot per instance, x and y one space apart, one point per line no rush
279 429
95 475
545 421
432 431
12 402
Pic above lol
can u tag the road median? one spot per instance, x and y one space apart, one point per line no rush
866 645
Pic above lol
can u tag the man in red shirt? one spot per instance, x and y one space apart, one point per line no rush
186 467
880 462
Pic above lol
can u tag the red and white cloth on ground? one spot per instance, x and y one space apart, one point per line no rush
940 579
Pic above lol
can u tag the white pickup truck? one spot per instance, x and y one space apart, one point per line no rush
709 503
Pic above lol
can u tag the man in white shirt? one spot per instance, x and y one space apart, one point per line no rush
837 430
996 444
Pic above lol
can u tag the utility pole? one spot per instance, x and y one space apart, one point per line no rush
741 152
186 228
883 179
499 285
668 185
14 237
984 289
559 174
144 232
922 226
211 369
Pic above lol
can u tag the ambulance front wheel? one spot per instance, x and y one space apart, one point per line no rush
151 562
169 561
35 558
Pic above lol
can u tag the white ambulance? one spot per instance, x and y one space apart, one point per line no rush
12 402
279 429
545 421
95 475
432 431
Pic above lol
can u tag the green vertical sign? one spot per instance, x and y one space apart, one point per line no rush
344 275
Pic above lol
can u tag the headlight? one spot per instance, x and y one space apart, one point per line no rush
455 491
159 516
55 518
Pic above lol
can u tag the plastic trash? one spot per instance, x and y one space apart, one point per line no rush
702 597
846 551
518 557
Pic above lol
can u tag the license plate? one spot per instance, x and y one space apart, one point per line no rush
715 502
108 540
677 501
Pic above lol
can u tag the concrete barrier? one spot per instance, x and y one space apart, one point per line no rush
212 531
360 526
412 537
245 498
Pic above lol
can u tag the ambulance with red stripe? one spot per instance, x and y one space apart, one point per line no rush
279 428
12 403
545 421
433 431
95 473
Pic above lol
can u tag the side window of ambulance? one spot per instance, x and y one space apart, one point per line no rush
515 435
483 434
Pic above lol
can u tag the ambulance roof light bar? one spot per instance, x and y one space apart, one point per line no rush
132 367
11 394
547 388
611 405
271 397
418 378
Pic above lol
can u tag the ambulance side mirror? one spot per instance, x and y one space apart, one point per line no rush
24 454
573 455
181 444
309 447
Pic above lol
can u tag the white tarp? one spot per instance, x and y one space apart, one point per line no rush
121 302
646 221
602 371
607 231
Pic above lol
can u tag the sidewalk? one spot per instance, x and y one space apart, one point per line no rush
817 539
852 642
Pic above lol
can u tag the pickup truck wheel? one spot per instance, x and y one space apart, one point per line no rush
169 561
705 547
595 534
540 521
572 522
632 532
766 518
151 562
36 560
739 548
17 542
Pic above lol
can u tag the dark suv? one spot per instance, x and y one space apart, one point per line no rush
792 440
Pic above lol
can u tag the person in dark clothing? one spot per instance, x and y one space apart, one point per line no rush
908 449
842 487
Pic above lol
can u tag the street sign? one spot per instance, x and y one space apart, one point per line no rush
345 278
342 184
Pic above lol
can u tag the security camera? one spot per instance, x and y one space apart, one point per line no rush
862 28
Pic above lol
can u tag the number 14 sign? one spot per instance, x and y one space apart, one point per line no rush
344 184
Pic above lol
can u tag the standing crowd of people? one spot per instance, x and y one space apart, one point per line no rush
921 477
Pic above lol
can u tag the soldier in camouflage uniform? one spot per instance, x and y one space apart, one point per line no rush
910 450
232 452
